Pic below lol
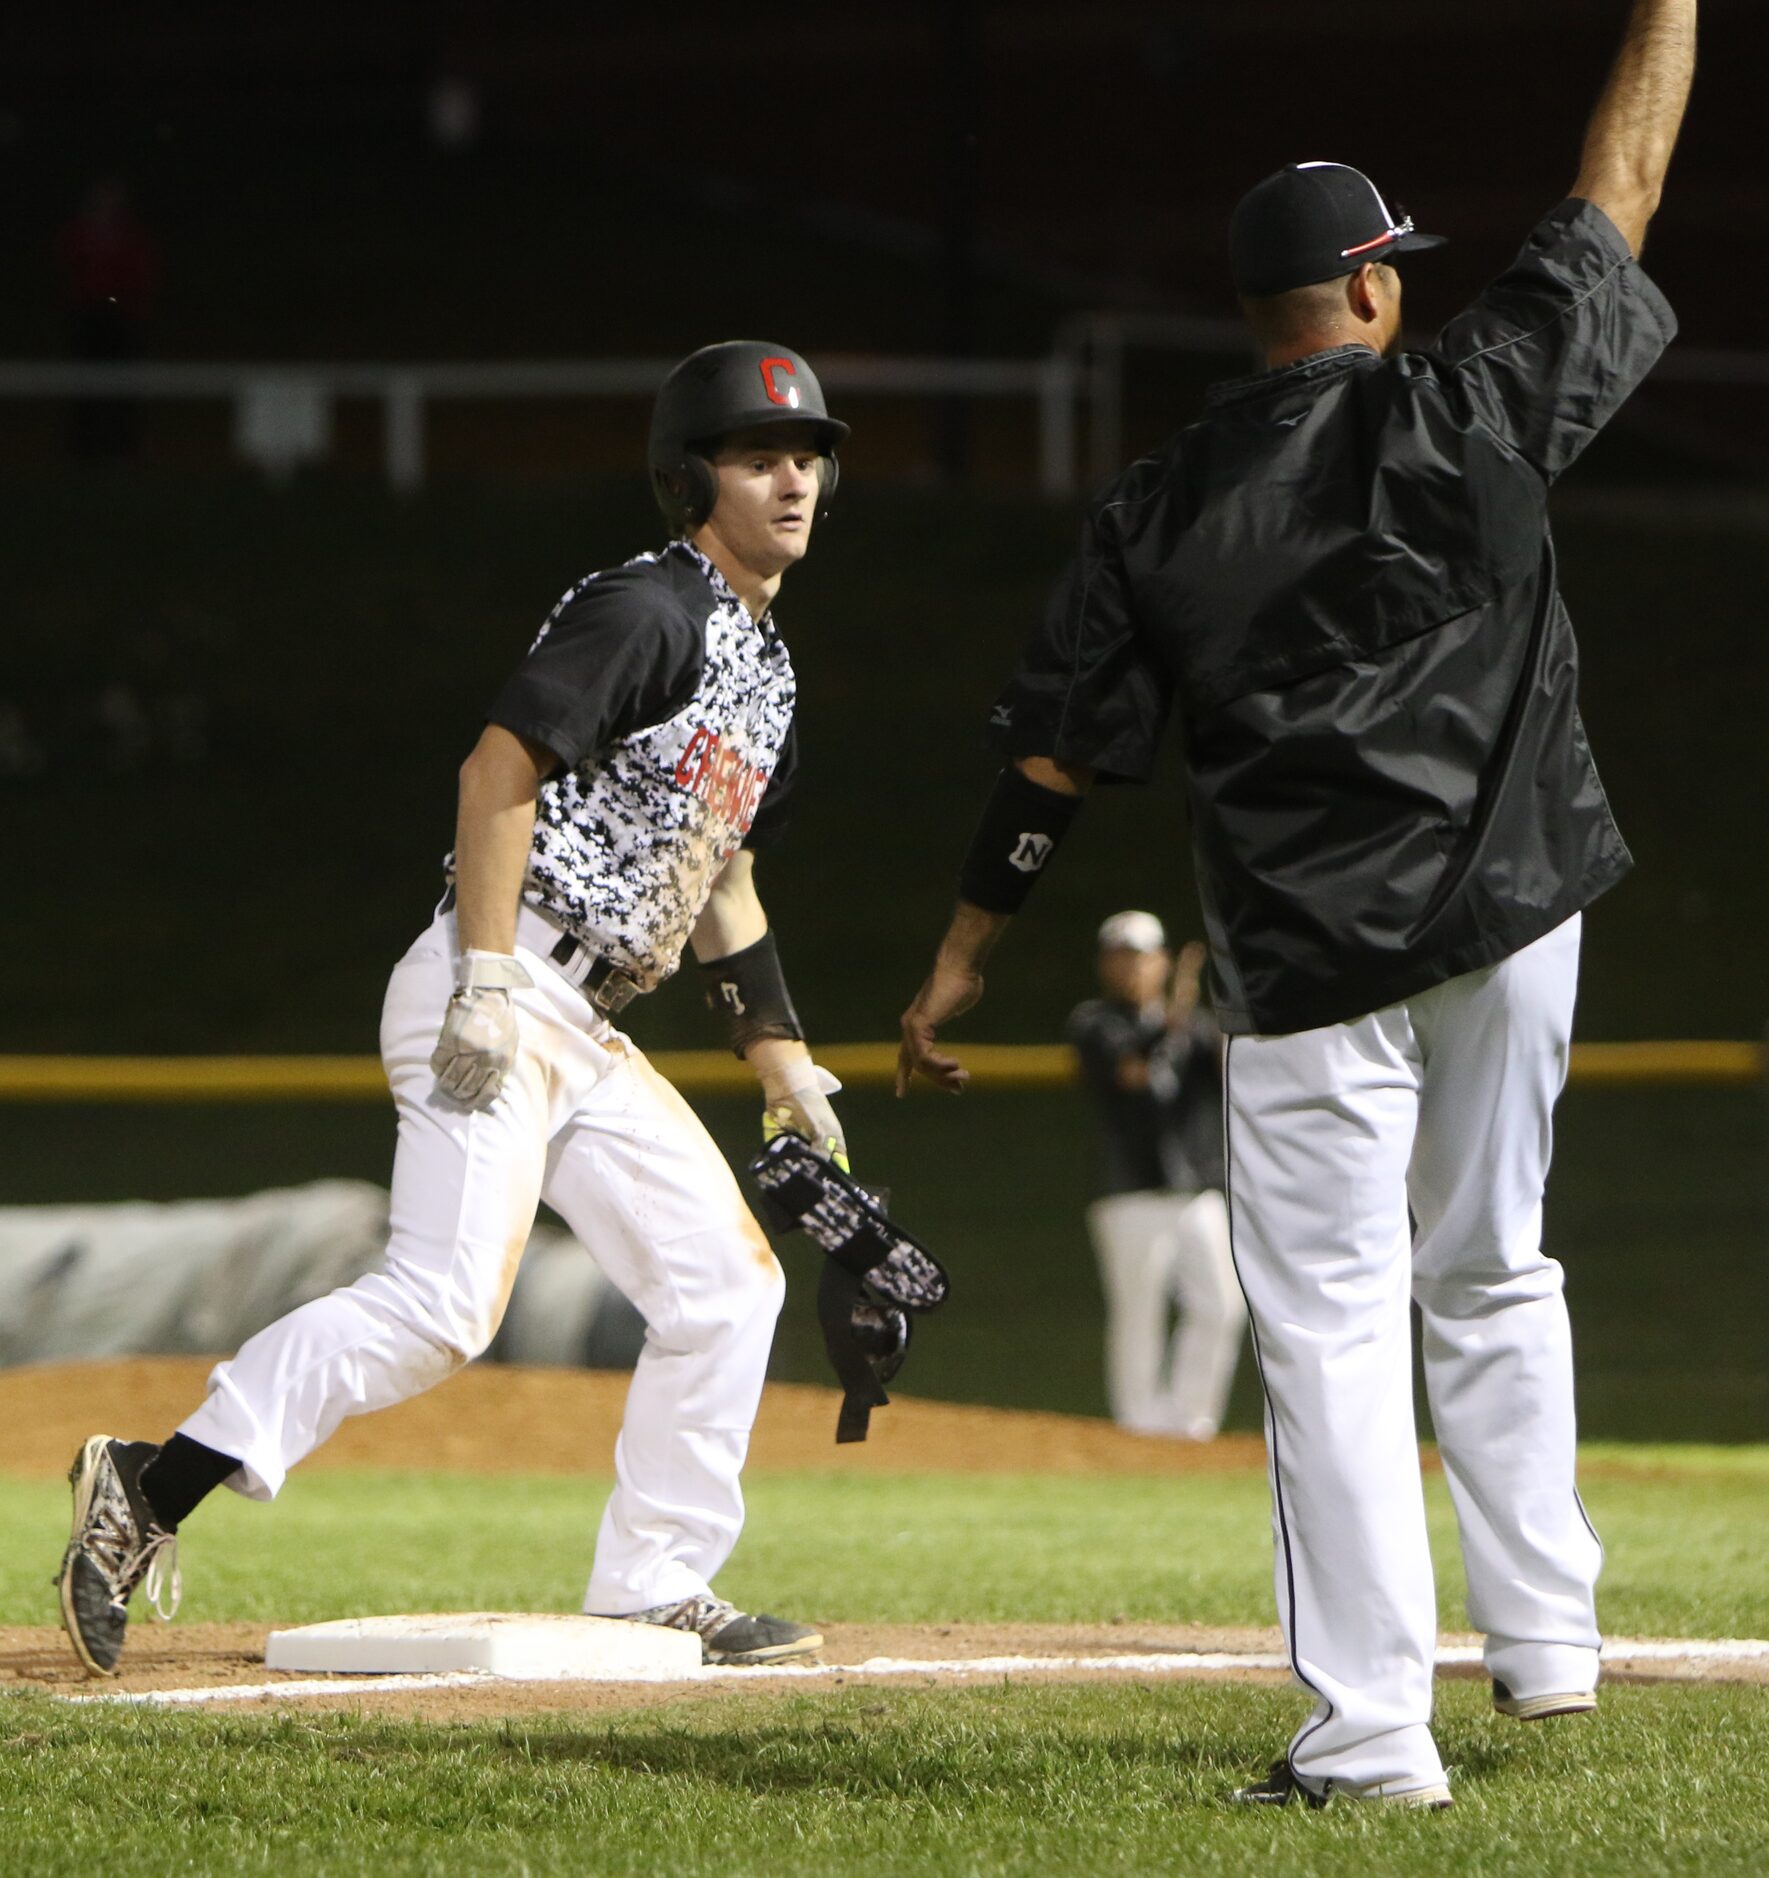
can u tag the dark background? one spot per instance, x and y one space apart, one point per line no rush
230 713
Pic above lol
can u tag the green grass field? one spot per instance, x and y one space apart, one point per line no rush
990 1779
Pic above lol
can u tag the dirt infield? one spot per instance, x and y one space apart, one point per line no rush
546 1421
217 1656
197 1663
553 1420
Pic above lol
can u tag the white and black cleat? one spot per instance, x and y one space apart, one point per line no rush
1281 1786
1542 1707
116 1545
1278 1788
728 1635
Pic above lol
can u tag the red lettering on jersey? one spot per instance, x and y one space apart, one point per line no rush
719 795
736 792
752 798
716 772
702 748
775 394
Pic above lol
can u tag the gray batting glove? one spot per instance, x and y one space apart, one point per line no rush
797 1099
479 1038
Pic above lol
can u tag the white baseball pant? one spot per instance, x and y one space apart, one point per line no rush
587 1124
1158 1250
1442 1102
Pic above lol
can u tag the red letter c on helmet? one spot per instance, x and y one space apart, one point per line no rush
788 396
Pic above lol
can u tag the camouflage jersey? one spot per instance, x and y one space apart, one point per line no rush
671 712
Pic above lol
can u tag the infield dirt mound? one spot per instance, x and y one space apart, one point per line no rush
492 1417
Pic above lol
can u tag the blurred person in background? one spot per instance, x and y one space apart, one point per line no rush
109 267
1149 1056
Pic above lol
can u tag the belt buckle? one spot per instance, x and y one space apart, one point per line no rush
604 986
608 988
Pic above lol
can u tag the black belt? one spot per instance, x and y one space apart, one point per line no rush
609 987
606 985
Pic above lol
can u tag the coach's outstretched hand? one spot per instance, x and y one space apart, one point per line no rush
949 990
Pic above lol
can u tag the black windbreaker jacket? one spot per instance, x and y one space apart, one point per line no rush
1343 581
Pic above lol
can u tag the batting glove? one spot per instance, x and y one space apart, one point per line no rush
478 1044
797 1103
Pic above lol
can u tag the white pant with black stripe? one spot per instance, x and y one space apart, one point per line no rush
1441 1103
587 1124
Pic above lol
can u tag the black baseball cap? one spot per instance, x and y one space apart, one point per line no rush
1313 222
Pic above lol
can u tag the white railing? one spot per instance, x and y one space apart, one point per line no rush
283 412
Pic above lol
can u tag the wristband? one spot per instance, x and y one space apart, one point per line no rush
749 991
1021 826
477 970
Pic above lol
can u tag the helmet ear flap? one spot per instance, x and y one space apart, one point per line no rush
686 489
828 475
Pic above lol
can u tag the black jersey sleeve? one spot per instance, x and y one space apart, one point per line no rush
774 815
617 654
1552 349
1090 692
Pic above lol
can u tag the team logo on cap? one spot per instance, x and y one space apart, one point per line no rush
787 395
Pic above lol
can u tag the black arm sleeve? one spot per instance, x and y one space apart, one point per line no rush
748 989
616 655
1021 827
1550 351
774 815
1090 692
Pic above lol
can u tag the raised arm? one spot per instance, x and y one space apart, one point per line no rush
1634 127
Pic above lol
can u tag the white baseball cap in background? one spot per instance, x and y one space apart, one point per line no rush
1132 932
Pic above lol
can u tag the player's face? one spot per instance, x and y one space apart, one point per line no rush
1132 976
767 497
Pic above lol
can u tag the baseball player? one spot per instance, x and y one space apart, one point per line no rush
1149 1057
610 814
1341 578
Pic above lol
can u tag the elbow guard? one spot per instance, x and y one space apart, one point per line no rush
749 991
1021 827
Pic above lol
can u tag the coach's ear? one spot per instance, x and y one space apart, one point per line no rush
1364 291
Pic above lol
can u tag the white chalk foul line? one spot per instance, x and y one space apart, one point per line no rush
1162 1663
250 1691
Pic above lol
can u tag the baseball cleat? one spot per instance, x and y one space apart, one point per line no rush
1278 1788
1542 1707
116 1545
728 1635
1281 1786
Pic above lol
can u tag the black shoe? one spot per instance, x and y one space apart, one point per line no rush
116 1544
1278 1788
1542 1707
728 1635
1281 1786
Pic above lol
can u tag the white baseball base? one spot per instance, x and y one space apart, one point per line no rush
523 1646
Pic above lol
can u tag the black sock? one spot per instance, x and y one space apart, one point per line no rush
180 1476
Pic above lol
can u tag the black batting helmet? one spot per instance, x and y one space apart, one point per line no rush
715 392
